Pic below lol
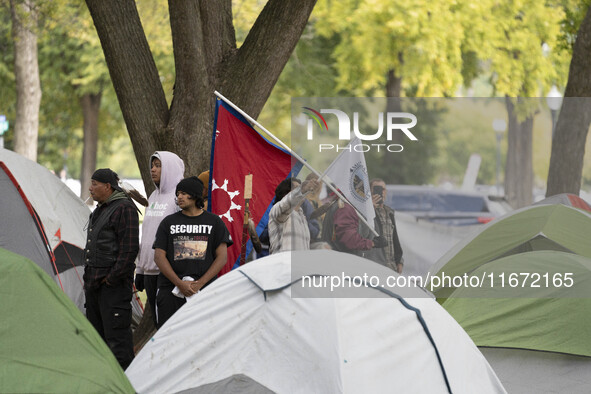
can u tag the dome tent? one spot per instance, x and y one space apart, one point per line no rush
47 344
537 339
249 331
568 199
44 221
536 227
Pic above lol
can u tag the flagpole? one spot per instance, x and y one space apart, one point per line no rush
294 154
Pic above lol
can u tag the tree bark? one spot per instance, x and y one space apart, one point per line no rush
394 87
568 145
251 73
24 15
134 76
206 59
519 173
389 161
393 91
91 104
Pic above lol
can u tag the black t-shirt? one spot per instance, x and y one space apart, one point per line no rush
190 243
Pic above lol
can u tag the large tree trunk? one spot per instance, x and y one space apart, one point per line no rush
206 59
134 76
568 145
393 91
519 173
91 105
24 15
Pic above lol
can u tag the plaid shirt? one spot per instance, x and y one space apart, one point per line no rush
393 251
125 220
288 227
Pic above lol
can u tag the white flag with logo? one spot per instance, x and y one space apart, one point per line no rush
349 173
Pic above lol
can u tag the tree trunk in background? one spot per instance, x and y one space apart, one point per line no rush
90 104
391 161
24 17
393 90
568 145
206 59
519 174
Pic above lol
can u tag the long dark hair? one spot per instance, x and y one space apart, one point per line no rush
284 188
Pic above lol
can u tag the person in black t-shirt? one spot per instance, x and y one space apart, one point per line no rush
190 243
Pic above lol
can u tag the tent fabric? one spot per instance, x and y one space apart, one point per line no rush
536 339
537 227
550 318
47 344
19 231
62 213
236 384
249 326
43 220
531 372
566 199
530 335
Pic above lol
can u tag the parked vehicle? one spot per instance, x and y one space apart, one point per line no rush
449 207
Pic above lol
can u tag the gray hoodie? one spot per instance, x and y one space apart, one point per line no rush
161 204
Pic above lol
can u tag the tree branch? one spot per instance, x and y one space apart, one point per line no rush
219 37
189 53
193 93
265 51
133 73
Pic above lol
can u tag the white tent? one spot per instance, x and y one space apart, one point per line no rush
252 331
44 221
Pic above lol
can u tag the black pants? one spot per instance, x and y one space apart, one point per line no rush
109 310
167 304
151 286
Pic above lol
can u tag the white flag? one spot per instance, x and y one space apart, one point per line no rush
349 173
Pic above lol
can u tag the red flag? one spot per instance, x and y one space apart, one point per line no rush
238 150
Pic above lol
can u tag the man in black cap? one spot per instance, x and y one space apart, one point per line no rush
112 245
190 249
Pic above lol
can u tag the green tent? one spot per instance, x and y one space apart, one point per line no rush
539 227
551 317
46 344
536 339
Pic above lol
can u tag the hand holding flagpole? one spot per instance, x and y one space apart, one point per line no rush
300 159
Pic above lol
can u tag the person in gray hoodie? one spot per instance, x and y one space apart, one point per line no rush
167 170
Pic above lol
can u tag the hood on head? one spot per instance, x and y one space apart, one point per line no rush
172 171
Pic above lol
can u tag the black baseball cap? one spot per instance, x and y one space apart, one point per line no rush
106 175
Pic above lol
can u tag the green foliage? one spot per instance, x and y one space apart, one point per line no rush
7 85
467 129
521 47
245 13
419 40
574 12
415 164
71 65
515 48
306 74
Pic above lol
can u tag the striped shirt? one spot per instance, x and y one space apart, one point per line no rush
288 228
